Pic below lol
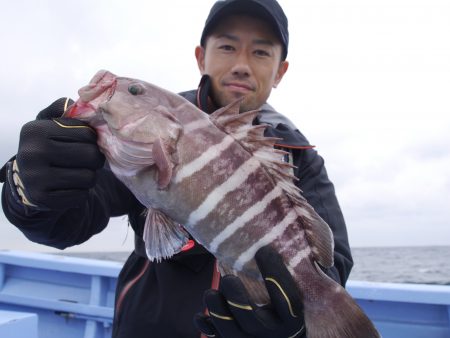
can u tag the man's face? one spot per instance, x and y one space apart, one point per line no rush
243 58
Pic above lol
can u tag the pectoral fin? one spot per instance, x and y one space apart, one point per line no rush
163 236
163 163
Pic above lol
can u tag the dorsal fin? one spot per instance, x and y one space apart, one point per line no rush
230 120
230 109
251 137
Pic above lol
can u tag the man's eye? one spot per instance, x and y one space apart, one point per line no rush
261 52
226 47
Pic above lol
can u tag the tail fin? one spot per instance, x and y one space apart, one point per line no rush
330 312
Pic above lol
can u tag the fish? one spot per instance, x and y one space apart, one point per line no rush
218 179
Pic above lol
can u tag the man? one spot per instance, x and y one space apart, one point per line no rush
59 193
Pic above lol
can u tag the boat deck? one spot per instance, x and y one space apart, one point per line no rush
48 296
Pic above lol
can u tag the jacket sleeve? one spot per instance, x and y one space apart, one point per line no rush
64 228
319 192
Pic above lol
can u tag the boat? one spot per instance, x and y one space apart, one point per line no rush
54 296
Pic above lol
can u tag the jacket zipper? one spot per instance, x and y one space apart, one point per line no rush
128 286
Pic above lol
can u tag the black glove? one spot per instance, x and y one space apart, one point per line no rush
56 161
233 315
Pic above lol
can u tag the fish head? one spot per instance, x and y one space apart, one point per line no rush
135 122
138 111
133 110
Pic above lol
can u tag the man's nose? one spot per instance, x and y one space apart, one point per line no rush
242 67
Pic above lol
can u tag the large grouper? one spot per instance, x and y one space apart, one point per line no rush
218 179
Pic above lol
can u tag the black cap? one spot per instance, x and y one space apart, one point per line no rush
268 10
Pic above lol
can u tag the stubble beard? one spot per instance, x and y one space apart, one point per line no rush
246 104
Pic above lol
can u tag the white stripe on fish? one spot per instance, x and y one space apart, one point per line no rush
301 255
213 199
204 159
239 222
195 125
268 238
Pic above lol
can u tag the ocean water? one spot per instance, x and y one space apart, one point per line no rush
427 265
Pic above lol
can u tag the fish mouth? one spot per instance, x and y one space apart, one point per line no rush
103 84
99 90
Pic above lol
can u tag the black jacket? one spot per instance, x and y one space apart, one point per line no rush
159 300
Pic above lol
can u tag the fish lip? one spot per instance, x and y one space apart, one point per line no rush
110 93
112 90
107 83
100 89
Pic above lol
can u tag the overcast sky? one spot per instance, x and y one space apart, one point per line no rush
368 84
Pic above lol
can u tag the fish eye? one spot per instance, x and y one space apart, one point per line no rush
135 89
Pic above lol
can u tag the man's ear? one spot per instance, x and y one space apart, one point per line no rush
282 69
200 56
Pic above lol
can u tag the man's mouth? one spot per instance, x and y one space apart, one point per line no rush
239 87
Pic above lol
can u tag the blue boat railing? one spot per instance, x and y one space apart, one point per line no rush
72 297
60 296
